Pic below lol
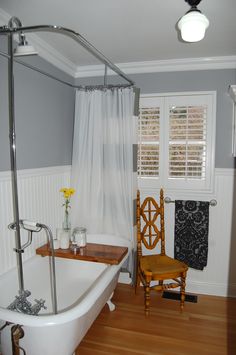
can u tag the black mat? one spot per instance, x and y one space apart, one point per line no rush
176 296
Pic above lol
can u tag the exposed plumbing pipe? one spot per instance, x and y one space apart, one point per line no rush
21 304
17 333
12 138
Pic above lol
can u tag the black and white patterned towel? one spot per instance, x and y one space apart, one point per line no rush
191 232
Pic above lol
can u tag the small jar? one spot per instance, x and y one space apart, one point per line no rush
64 240
79 236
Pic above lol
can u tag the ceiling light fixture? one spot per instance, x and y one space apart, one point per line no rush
193 24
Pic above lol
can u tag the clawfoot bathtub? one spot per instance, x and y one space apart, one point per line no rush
83 288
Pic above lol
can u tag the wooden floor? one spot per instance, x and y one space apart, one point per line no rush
204 328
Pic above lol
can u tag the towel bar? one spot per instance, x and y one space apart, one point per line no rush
168 200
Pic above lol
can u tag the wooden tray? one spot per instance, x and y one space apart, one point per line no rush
108 254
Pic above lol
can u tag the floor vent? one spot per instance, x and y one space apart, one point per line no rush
176 296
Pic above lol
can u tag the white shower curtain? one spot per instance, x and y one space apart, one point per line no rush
102 162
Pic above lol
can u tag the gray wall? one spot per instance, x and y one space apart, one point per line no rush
45 110
209 80
44 113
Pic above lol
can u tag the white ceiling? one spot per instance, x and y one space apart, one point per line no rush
127 31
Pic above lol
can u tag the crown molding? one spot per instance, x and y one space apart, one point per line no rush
45 51
155 66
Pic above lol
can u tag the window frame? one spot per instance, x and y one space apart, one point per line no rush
165 99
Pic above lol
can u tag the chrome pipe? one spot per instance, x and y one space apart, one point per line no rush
75 36
79 87
52 265
12 138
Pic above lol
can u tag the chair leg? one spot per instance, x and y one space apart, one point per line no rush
182 290
147 298
160 283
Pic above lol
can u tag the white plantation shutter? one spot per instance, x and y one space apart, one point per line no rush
187 142
148 142
176 141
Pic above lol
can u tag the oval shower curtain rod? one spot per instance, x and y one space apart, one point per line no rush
74 35
79 87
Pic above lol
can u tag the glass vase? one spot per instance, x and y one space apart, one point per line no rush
66 225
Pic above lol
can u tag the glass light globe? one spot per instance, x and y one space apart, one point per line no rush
193 26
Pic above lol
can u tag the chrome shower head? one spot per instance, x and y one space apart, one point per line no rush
23 48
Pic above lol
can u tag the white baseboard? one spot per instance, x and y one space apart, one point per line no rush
213 289
206 288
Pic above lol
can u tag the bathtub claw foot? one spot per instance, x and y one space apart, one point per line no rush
110 304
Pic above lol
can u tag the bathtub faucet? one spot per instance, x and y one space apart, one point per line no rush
21 301
22 305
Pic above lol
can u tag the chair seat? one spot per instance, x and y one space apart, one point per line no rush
161 265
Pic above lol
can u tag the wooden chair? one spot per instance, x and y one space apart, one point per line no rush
156 267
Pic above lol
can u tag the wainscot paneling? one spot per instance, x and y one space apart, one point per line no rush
218 277
39 200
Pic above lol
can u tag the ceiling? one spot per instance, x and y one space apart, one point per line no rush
126 31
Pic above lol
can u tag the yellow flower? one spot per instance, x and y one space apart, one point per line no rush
67 192
72 191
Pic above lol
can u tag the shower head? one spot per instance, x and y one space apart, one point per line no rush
23 48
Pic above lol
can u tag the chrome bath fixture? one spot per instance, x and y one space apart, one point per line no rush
193 24
23 48
212 202
22 305
15 27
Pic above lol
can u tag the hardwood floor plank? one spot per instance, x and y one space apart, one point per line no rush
207 327
144 343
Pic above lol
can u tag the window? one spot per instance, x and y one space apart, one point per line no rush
148 152
176 140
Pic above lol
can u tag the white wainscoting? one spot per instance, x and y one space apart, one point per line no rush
39 200
218 277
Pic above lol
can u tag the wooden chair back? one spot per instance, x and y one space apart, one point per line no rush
150 223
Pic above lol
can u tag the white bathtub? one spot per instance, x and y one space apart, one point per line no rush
83 288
